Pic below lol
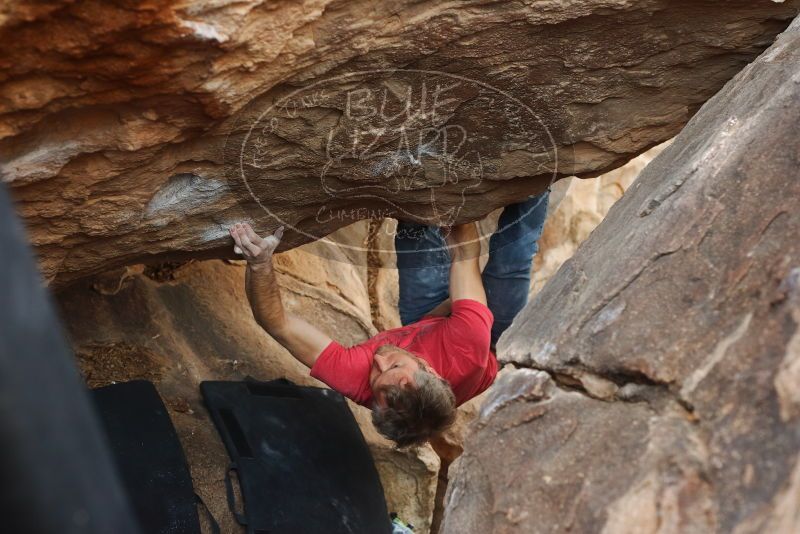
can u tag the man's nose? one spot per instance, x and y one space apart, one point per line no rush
380 359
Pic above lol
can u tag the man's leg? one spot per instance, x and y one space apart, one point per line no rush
423 265
507 275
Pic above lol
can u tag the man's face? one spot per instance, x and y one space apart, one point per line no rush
391 367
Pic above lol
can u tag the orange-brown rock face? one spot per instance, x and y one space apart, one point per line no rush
138 131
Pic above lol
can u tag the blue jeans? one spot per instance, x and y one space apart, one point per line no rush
423 264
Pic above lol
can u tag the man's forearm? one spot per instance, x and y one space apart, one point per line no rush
465 269
265 299
465 280
304 341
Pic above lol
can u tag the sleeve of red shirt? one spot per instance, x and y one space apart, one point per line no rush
469 327
346 370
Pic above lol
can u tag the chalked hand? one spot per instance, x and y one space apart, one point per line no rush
256 250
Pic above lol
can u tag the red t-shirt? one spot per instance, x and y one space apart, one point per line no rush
456 347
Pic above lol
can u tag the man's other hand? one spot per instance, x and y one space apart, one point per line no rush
463 241
256 250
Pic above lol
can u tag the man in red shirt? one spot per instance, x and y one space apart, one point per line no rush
406 370
413 377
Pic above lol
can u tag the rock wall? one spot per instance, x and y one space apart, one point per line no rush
576 208
656 379
136 132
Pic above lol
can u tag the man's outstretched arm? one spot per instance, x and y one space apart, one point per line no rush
469 325
304 341
465 269
465 252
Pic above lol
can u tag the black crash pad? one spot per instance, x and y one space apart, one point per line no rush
301 461
149 457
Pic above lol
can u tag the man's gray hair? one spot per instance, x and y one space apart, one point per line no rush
415 413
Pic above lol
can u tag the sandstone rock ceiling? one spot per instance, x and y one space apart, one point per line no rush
137 131
658 371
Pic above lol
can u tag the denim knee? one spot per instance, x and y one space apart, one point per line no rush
514 260
523 221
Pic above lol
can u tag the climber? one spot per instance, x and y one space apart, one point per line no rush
414 376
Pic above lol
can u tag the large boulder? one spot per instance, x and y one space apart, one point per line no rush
658 370
138 131
576 208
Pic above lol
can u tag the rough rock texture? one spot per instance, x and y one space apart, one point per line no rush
178 325
576 208
449 446
657 381
137 131
543 459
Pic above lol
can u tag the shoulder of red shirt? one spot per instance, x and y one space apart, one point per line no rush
347 369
